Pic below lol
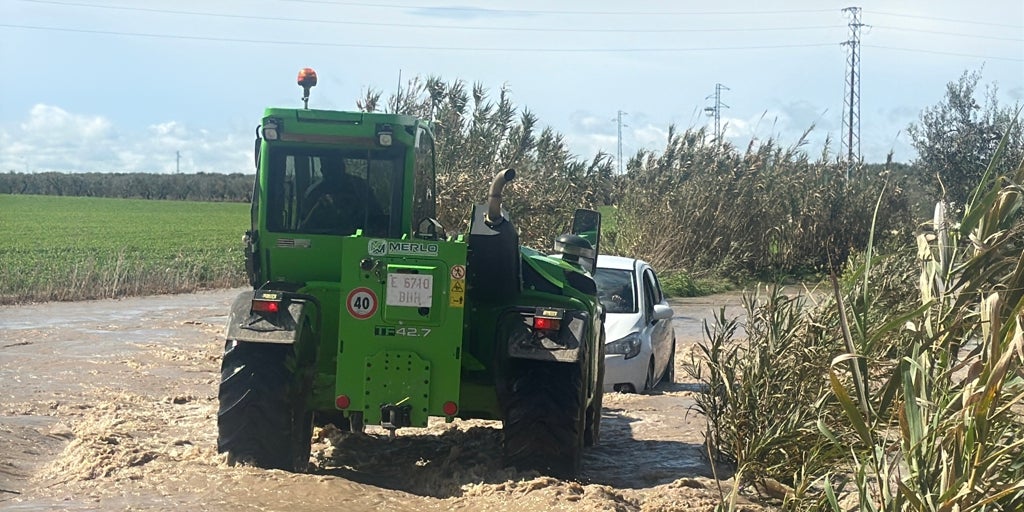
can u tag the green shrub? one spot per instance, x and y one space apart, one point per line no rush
680 284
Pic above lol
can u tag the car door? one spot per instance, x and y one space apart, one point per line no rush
661 330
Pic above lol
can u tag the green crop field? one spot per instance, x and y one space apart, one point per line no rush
70 248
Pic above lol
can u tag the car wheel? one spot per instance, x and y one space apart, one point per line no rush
670 370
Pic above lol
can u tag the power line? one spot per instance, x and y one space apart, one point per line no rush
950 20
420 25
276 42
560 12
936 52
475 49
954 34
646 30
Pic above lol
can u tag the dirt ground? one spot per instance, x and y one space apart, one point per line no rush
111 405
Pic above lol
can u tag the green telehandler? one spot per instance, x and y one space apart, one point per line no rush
365 312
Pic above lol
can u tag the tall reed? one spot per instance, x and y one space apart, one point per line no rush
705 207
905 385
956 441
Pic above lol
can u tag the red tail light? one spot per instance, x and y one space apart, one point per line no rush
265 306
541 323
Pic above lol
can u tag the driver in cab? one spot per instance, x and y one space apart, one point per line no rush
336 203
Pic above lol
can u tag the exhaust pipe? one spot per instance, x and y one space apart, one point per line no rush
494 216
494 261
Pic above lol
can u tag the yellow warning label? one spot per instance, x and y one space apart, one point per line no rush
457 293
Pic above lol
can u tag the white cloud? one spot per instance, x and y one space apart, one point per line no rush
586 145
651 137
55 124
582 120
785 126
735 128
53 139
170 128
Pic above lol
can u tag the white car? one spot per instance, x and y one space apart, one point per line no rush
640 343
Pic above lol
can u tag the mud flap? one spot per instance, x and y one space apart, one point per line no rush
281 327
526 342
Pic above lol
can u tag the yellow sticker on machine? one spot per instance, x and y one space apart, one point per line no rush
457 293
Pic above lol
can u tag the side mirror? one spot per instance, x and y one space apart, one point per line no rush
576 249
587 224
663 312
256 150
430 229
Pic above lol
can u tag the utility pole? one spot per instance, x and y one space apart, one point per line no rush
619 125
177 164
716 110
851 100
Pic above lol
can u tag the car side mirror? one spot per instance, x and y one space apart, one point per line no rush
663 312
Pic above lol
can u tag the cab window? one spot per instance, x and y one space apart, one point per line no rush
329 191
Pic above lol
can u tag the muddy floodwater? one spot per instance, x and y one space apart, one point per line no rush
111 405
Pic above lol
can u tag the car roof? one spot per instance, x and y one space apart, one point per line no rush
618 262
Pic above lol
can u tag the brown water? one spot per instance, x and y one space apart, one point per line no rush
111 405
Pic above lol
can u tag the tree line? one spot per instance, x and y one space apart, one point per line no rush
137 185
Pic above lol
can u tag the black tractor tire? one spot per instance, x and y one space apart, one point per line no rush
545 417
336 418
592 431
262 419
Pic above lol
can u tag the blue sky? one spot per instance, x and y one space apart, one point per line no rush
115 85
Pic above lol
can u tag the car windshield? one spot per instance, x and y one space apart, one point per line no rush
617 290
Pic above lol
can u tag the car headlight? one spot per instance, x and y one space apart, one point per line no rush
628 346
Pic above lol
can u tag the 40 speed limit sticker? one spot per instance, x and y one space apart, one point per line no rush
361 303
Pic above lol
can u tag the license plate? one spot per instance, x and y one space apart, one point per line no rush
410 290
